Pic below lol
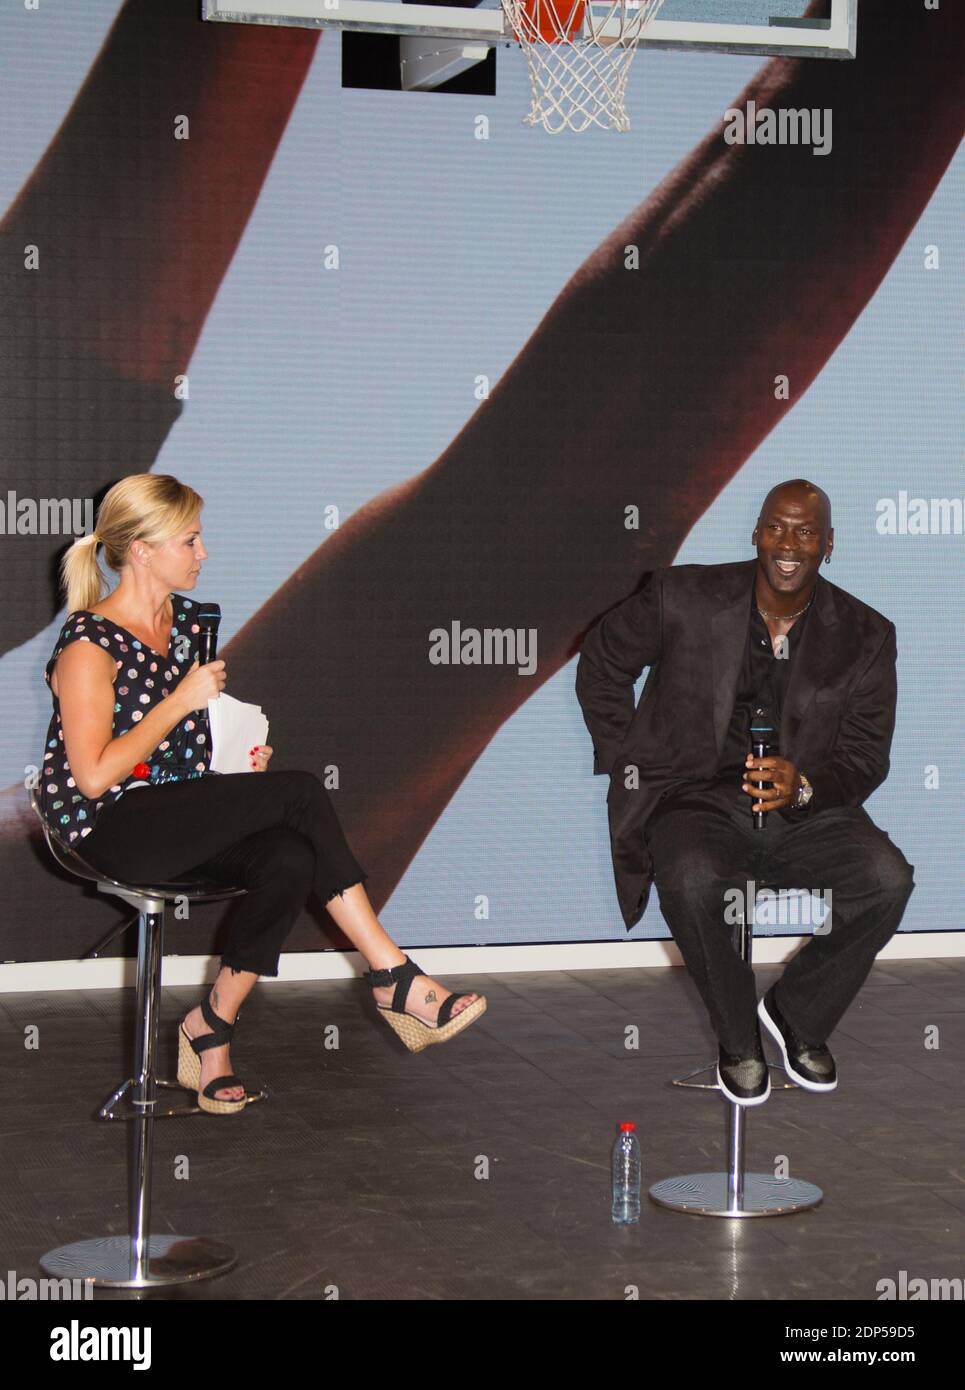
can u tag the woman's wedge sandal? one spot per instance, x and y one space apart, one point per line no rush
414 1032
189 1064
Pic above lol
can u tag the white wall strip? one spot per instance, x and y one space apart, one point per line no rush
440 961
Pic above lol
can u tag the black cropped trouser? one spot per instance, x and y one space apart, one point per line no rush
704 846
275 834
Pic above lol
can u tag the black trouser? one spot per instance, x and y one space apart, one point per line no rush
274 833
703 843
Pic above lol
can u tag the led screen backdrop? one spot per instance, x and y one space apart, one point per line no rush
430 367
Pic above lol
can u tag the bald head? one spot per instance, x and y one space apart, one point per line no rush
798 492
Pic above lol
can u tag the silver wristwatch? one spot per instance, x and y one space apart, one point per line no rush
804 792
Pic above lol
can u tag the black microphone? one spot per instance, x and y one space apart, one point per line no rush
209 618
762 732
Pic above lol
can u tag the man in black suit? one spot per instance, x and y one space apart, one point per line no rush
770 636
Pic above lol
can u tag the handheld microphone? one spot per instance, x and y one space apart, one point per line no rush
762 732
209 618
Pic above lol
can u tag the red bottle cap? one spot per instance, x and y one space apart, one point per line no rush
628 1124
141 770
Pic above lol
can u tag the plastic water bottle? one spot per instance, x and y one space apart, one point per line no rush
625 1208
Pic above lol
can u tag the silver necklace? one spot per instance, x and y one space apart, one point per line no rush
786 617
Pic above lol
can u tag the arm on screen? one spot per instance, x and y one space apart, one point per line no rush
647 388
135 230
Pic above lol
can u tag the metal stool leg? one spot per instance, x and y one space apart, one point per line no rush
134 1098
120 1104
139 1260
743 943
734 1193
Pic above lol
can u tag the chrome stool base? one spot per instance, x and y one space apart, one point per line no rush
709 1194
107 1261
121 1104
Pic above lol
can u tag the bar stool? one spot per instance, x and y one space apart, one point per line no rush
735 1193
140 1260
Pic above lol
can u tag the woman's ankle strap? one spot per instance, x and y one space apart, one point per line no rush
220 1026
406 971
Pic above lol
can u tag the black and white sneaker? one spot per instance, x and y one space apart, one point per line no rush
809 1064
744 1078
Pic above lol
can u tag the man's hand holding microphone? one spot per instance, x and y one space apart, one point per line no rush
783 776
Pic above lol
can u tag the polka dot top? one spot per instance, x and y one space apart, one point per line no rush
142 679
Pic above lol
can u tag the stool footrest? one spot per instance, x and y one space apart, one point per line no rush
121 1104
688 1083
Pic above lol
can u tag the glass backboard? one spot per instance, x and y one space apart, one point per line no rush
762 27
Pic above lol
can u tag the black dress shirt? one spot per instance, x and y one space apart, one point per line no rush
762 682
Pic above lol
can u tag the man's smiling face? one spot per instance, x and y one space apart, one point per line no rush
792 537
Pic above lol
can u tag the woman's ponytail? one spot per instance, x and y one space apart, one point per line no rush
81 577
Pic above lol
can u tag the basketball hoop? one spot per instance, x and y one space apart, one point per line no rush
578 53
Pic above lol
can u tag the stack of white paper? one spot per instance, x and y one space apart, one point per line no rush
235 727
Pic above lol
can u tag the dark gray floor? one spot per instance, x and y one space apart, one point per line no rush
359 1172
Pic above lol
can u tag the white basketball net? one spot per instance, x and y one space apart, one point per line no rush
580 77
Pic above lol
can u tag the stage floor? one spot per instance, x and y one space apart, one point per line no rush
360 1172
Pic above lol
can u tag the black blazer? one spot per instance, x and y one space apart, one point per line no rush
688 623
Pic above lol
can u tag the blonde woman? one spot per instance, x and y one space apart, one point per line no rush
127 783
